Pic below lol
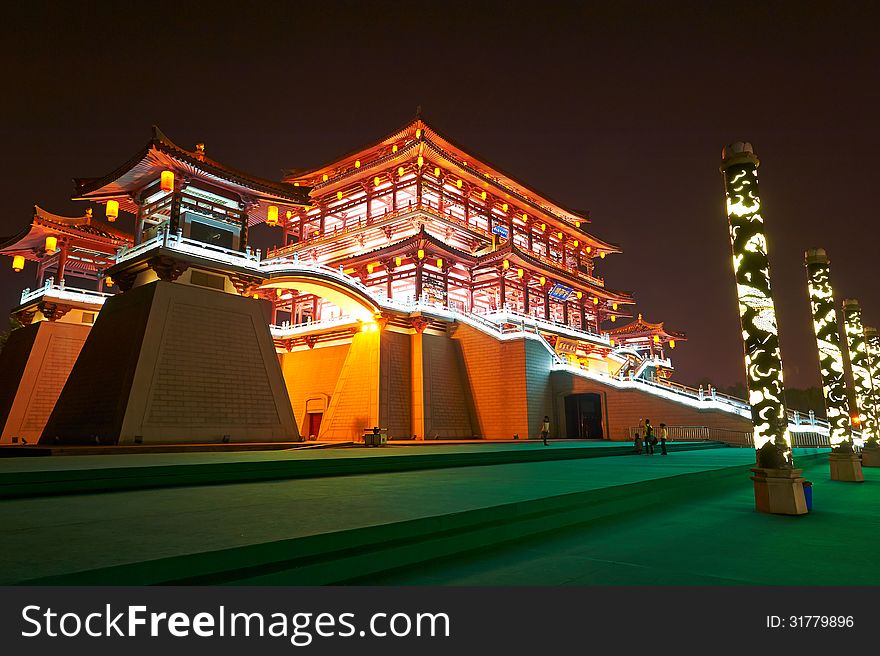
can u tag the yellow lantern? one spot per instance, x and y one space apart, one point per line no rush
112 210
483 195
672 343
613 318
542 280
394 148
614 306
504 207
398 261
325 177
420 161
439 262
18 263
543 227
602 255
418 133
357 163
506 264
611 341
580 295
595 300
589 249
338 195
288 214
520 273
370 268
436 171
278 292
576 243
559 235
256 297
459 183
51 244
525 217
420 254
272 215
656 339
108 281
376 181
577 224
166 181
399 170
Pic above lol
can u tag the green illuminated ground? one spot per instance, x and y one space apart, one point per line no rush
713 541
333 529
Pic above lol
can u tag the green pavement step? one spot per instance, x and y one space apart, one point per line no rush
43 482
344 556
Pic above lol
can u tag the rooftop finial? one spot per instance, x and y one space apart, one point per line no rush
200 150
88 214
418 111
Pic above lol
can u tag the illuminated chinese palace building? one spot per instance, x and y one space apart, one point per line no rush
417 289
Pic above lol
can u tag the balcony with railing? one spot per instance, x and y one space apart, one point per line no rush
62 292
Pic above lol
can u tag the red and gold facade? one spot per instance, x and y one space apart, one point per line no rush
417 289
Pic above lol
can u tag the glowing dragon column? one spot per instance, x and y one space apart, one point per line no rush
858 359
871 450
828 342
757 313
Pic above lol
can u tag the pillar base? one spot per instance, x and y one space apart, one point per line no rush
871 457
846 467
779 491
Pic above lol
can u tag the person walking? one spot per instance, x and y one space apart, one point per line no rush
664 435
649 438
545 429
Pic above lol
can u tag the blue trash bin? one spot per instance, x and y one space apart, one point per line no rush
808 495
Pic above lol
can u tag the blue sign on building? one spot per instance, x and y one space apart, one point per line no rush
501 231
560 292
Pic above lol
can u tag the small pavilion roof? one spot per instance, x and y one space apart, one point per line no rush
482 173
161 153
86 237
642 328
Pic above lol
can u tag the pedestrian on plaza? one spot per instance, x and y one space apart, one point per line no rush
650 439
664 435
637 444
545 429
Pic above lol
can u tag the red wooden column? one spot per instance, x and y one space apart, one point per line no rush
525 294
501 289
62 262
393 190
546 304
583 315
419 265
368 192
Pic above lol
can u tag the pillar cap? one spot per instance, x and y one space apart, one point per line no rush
816 256
850 303
869 331
739 152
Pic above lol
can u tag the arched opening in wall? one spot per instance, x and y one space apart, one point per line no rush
583 416
304 299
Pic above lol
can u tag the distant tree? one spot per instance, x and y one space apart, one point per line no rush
13 324
804 400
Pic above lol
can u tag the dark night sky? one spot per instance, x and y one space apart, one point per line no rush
612 107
